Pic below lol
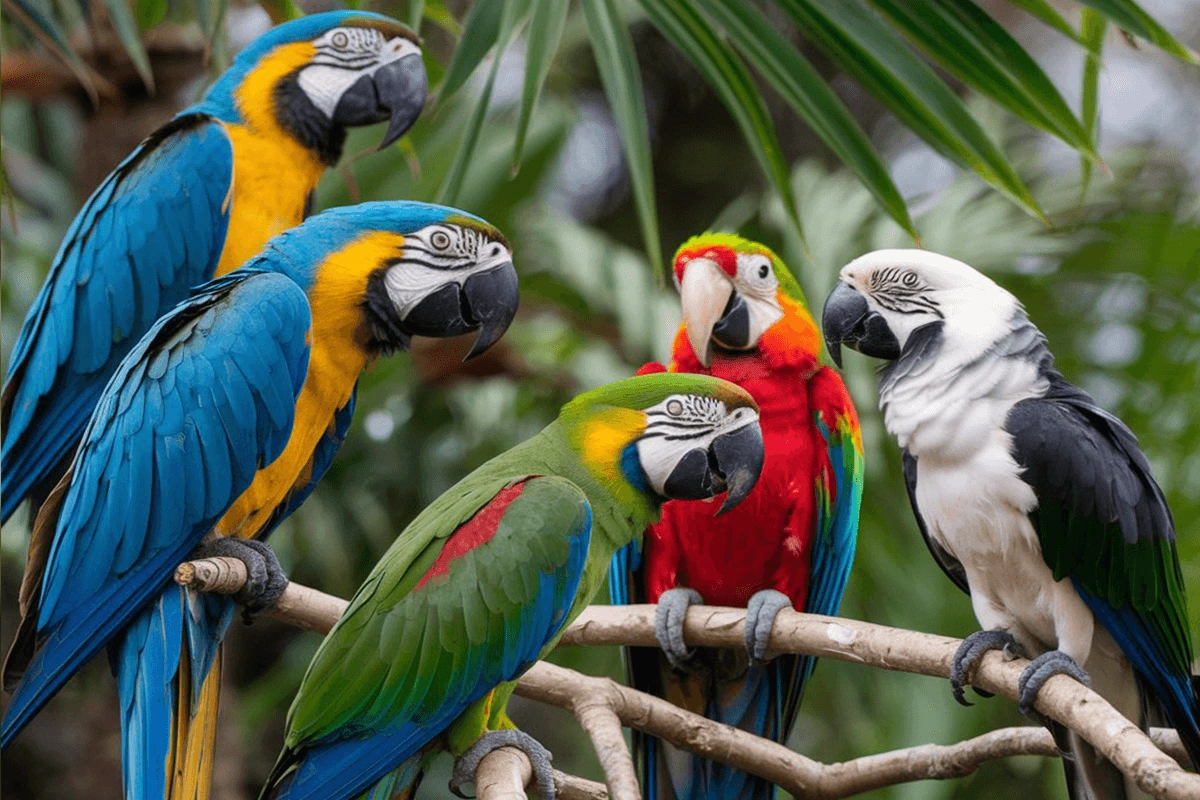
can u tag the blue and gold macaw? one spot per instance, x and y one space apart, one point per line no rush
214 428
195 200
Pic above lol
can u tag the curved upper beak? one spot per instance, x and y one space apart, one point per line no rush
732 463
705 293
849 320
395 92
486 301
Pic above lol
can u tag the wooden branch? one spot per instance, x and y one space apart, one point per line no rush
601 701
1061 698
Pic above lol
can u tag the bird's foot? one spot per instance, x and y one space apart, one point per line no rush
1040 670
265 579
539 757
761 611
968 654
668 625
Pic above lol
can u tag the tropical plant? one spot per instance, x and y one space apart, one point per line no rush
884 45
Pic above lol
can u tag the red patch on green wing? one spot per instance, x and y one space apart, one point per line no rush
478 530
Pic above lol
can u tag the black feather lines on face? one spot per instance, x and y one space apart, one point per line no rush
902 291
306 122
385 333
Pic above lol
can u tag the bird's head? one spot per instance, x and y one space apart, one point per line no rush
315 76
398 269
671 436
732 292
884 300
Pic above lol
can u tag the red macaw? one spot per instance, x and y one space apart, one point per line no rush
789 544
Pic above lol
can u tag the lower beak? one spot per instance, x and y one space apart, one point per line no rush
705 292
732 463
486 301
849 320
395 92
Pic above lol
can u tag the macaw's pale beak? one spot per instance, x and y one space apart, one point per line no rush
705 294
486 301
395 92
849 320
731 463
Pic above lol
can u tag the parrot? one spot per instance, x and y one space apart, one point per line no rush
1033 499
195 200
481 584
215 427
789 545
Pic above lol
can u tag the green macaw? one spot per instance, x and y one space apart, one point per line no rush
484 580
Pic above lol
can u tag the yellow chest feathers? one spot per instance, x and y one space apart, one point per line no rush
273 174
338 356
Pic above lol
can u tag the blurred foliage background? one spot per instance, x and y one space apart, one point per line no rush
1113 280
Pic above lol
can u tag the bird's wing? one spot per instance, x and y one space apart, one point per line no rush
1102 521
152 230
839 488
205 398
949 564
467 598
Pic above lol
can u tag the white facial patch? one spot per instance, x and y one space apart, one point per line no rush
757 285
343 56
437 255
680 424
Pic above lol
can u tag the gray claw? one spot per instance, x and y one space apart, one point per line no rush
761 611
1040 670
968 654
539 756
265 579
668 624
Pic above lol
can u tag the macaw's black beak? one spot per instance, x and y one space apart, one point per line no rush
732 463
848 320
395 92
486 301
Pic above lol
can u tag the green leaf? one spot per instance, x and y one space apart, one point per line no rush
126 28
547 21
281 10
1094 27
612 47
973 47
511 21
149 13
437 13
416 13
798 83
1129 16
1049 15
47 31
728 76
210 14
480 31
875 56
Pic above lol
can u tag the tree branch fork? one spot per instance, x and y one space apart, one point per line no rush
602 706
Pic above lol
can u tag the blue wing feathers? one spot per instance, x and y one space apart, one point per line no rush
154 229
103 567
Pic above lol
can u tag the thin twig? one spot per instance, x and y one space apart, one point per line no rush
600 700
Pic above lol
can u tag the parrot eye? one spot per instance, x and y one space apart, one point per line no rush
764 271
909 279
675 408
440 240
340 40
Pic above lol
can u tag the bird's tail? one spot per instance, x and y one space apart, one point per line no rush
168 668
728 690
